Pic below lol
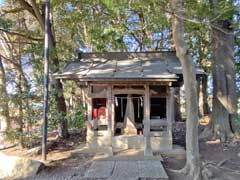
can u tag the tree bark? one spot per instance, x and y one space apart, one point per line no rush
4 108
224 86
192 167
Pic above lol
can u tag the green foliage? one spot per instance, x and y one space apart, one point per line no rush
23 139
76 117
96 26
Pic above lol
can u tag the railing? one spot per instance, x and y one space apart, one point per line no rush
160 126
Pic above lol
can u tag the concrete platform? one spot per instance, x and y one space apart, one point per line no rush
126 170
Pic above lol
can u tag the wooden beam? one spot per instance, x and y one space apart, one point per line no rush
112 80
128 91
101 94
106 83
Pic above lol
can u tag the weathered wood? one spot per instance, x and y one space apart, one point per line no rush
113 113
170 110
147 140
89 104
133 83
109 115
99 95
81 78
128 91
158 122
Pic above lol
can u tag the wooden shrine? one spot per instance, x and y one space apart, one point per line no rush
129 97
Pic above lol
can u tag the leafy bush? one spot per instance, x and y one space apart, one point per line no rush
76 117
25 140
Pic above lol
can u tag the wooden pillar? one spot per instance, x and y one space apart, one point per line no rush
147 135
172 107
109 114
177 105
202 103
91 132
199 95
89 104
170 110
113 112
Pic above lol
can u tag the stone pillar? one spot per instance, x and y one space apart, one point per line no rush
147 135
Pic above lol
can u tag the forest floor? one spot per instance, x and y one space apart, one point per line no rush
66 160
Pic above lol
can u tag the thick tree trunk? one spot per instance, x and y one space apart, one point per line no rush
61 107
59 96
4 108
224 86
192 166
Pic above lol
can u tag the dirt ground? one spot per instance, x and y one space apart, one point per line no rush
66 160
221 159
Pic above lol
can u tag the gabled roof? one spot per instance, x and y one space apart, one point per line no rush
115 66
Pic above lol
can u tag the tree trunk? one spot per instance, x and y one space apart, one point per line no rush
224 86
20 108
59 96
192 166
4 108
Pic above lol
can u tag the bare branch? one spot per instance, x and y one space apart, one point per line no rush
11 61
38 14
5 12
27 7
21 35
219 15
195 21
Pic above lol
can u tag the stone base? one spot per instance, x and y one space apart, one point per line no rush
128 142
137 142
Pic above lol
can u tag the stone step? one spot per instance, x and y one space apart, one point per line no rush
126 170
